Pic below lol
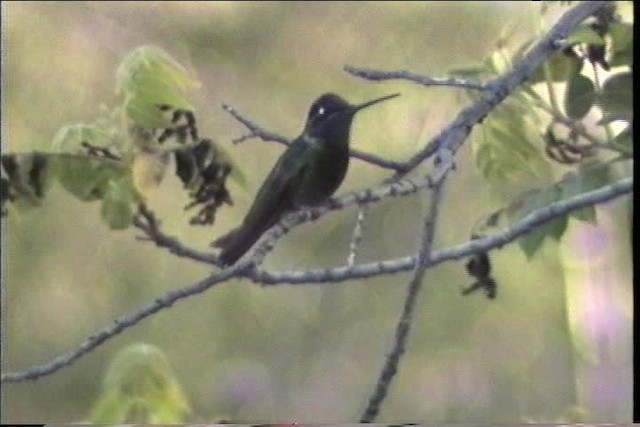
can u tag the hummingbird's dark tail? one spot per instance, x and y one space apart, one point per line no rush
236 243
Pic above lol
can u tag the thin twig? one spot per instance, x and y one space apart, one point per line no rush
258 132
378 75
358 232
254 129
382 192
453 136
574 125
403 327
153 233
244 269
397 265
364 197
123 323
448 142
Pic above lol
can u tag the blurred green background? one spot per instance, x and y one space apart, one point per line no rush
554 345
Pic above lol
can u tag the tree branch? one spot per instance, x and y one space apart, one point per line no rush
446 143
123 323
154 234
259 132
377 75
382 192
363 197
453 136
332 275
403 327
522 227
356 237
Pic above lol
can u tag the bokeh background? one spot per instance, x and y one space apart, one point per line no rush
555 345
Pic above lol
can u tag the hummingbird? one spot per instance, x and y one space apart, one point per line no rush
306 174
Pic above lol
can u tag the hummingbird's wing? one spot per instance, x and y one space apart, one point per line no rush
274 198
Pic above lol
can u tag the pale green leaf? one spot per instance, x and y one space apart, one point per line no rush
617 94
531 242
140 387
84 177
69 139
622 44
149 61
560 65
585 35
148 77
118 203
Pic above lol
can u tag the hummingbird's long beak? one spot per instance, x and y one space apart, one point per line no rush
359 107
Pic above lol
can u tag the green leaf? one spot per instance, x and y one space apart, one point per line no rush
111 408
589 177
92 178
148 61
153 89
617 94
69 139
516 130
556 228
145 114
622 44
519 104
118 203
503 148
579 96
586 214
140 387
84 177
531 242
497 62
561 66
148 77
585 34
528 202
482 154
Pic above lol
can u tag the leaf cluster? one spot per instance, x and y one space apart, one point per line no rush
522 141
101 161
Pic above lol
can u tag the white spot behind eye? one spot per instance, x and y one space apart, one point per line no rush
321 111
